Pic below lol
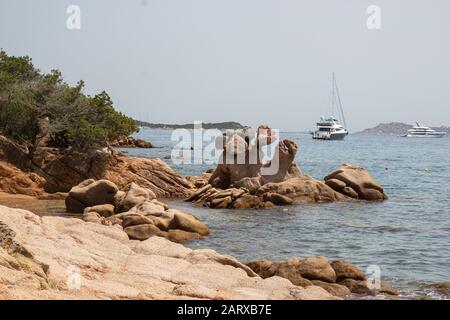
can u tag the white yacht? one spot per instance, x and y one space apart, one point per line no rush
423 132
330 128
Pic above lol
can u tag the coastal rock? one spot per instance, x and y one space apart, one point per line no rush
335 289
133 196
282 161
358 183
360 287
250 184
113 267
277 198
187 222
90 193
142 232
316 271
104 210
131 142
314 268
13 180
442 288
58 170
248 201
93 217
153 174
346 270
302 190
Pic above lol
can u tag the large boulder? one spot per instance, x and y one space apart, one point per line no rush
90 193
360 287
314 268
345 270
302 189
355 182
335 289
134 195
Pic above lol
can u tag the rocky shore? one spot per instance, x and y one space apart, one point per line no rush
131 142
124 240
245 185
67 258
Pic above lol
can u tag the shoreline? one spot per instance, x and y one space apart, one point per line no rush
42 204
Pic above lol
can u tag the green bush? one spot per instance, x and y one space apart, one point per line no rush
76 120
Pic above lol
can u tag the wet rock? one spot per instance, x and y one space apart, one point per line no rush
187 222
277 199
346 270
360 287
314 268
248 201
335 289
442 288
262 268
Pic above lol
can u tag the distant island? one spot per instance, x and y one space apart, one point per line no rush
213 125
397 128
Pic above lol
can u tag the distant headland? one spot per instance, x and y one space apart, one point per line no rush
213 125
397 128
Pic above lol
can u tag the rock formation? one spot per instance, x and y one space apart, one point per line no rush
134 210
339 277
46 169
130 142
241 179
67 258
355 182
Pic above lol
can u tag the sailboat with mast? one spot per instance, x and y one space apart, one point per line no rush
330 128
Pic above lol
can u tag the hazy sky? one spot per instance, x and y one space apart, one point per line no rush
253 61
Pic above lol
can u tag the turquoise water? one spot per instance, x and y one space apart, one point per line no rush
408 236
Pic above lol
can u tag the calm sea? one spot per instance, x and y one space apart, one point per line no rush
408 236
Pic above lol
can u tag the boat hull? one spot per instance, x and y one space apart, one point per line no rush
436 135
333 136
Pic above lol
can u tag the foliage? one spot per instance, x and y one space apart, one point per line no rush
28 97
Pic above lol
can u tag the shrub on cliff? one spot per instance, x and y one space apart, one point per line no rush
75 119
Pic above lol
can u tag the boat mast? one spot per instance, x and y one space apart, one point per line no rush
341 110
